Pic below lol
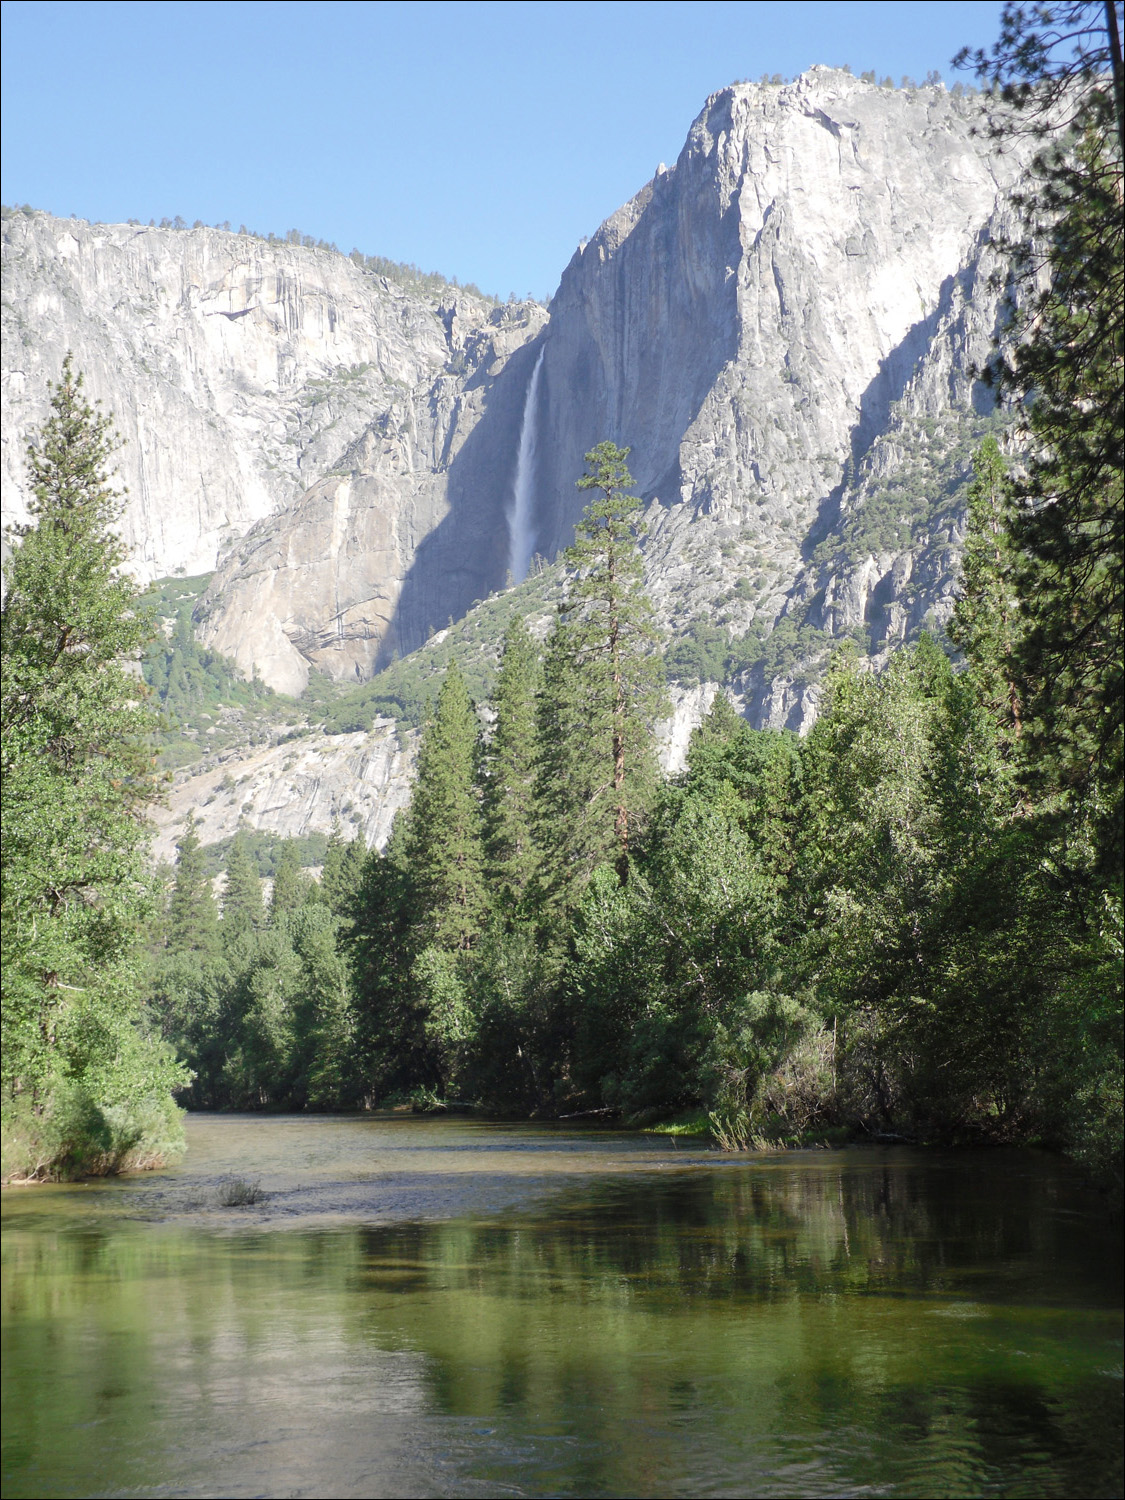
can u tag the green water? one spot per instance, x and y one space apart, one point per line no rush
438 1307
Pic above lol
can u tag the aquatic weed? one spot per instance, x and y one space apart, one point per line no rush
240 1192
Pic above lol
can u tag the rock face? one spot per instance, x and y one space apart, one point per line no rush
406 533
239 371
748 320
783 327
762 324
356 782
765 324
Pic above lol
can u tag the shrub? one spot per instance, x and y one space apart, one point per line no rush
78 1137
240 1192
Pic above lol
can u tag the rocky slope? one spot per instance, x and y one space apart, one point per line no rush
783 326
765 325
239 371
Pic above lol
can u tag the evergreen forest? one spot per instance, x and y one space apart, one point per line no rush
905 925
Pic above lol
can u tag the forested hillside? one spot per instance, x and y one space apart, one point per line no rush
906 923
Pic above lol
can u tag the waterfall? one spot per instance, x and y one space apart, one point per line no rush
521 533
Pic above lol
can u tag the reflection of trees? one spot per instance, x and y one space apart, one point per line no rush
881 1320
820 1228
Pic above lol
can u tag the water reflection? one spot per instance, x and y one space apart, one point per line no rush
878 1322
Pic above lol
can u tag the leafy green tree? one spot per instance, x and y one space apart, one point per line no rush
870 859
75 780
754 775
517 1054
675 978
261 1040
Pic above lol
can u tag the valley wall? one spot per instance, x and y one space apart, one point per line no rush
783 326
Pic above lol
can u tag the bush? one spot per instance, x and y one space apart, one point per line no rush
239 1192
75 1136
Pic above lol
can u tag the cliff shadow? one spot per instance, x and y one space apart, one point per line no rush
465 557
642 331
889 385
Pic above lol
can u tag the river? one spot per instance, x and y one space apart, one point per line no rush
452 1307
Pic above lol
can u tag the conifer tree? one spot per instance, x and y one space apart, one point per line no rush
75 778
1060 67
444 849
193 921
380 944
602 686
986 621
243 910
509 771
342 873
291 887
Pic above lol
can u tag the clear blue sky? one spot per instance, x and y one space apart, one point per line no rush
480 140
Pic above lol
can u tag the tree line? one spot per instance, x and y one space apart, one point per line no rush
889 928
907 924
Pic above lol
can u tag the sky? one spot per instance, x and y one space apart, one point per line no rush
481 140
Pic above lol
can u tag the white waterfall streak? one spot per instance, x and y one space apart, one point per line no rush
521 531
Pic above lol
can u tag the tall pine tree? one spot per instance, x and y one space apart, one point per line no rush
291 886
444 849
1060 66
193 920
243 910
987 621
75 781
602 688
509 772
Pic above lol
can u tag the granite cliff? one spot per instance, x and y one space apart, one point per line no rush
783 326
770 325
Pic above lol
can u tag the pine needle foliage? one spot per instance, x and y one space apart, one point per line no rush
1060 68
602 686
193 919
443 843
76 780
508 771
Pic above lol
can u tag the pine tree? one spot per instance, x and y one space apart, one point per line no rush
509 771
193 920
444 849
1061 64
291 886
986 620
243 910
602 687
390 1026
342 872
75 779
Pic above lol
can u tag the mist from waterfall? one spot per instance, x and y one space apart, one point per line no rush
521 533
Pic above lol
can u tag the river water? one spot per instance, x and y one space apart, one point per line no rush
449 1307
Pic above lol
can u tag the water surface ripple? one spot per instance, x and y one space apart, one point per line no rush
449 1307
